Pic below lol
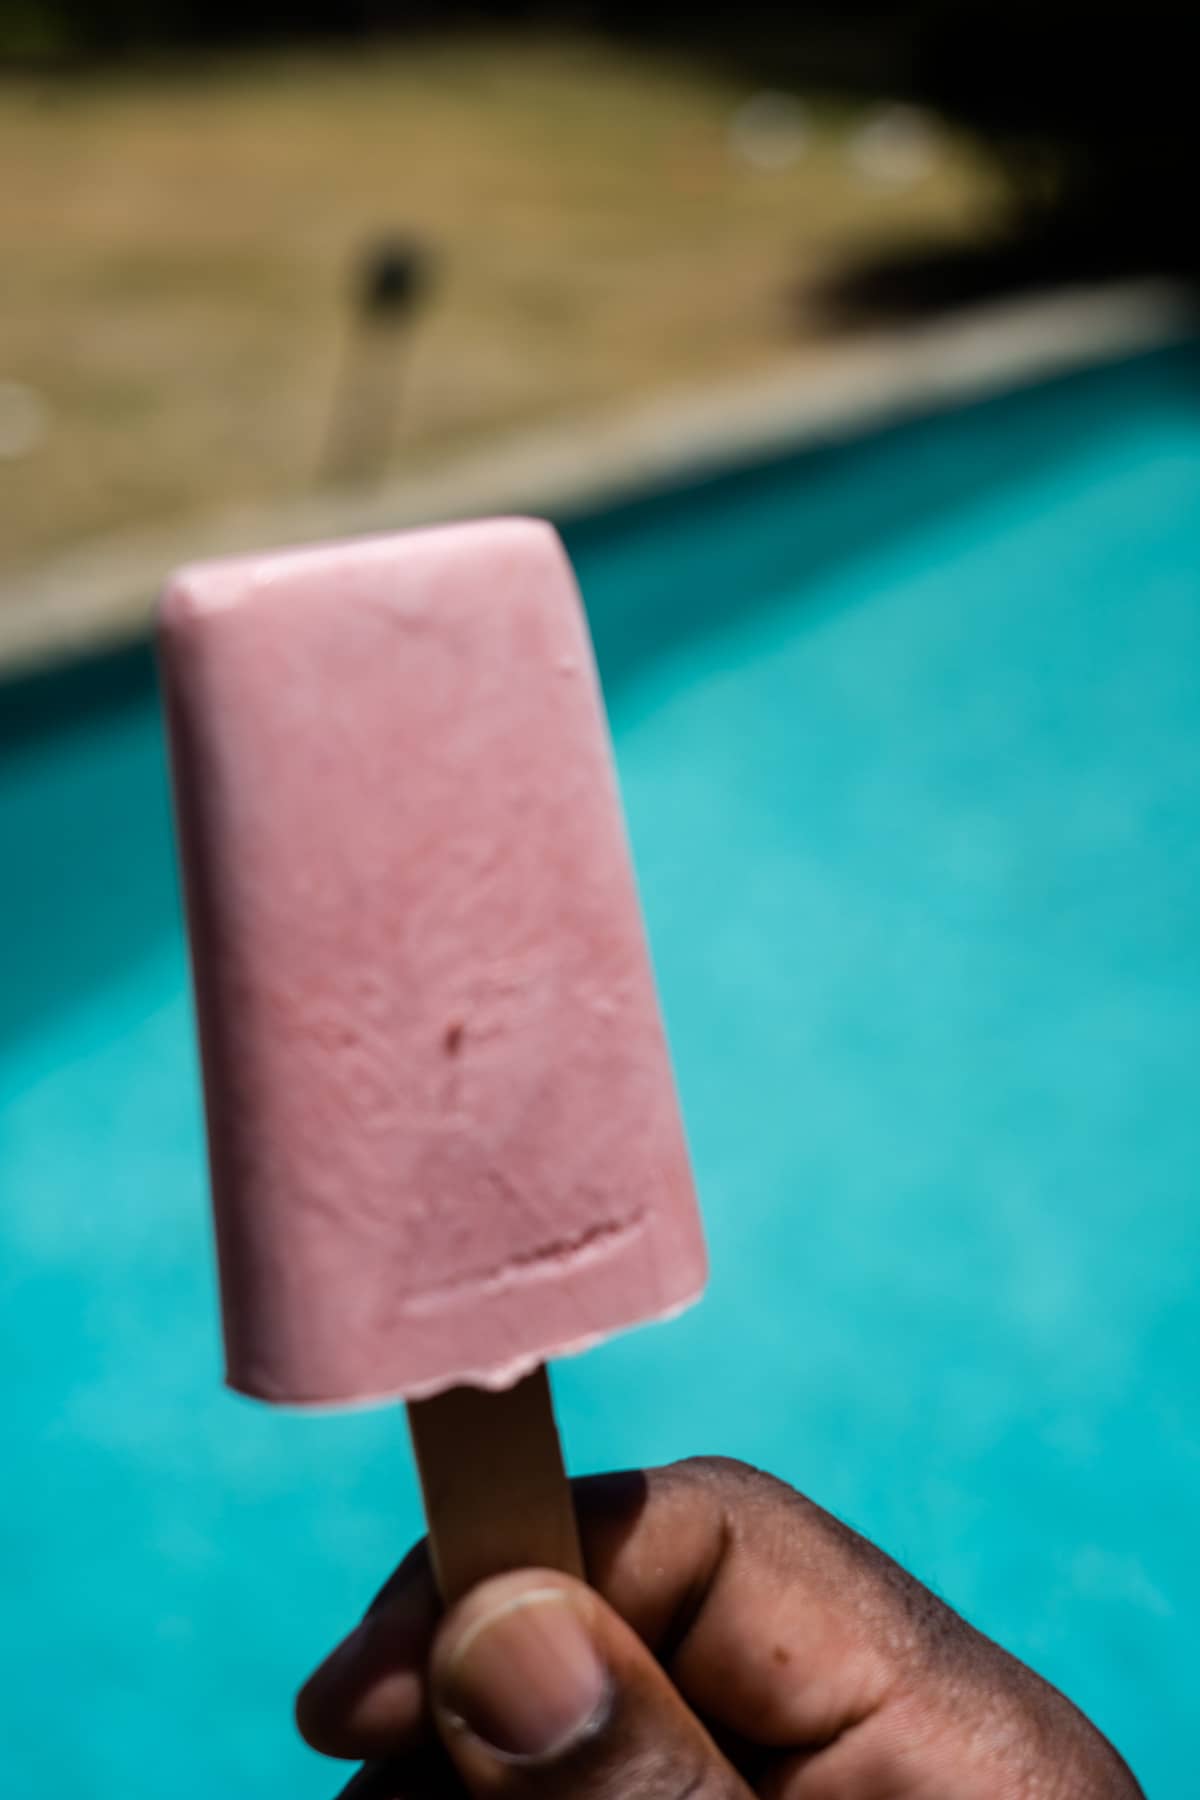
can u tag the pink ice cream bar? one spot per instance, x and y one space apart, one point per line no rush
443 1132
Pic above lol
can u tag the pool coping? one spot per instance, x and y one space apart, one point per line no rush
101 595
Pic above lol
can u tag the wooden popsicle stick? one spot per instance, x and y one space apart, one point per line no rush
496 1498
496 1492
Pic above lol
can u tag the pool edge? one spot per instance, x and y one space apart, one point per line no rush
98 596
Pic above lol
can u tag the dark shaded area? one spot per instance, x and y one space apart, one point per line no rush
894 286
74 697
1092 110
1088 112
84 831
820 39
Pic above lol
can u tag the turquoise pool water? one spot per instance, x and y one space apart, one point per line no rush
910 738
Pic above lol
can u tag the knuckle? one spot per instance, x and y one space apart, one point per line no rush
723 1472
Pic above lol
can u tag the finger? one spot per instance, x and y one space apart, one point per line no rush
775 1621
539 1690
370 1696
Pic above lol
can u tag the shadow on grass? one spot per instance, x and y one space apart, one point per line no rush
909 284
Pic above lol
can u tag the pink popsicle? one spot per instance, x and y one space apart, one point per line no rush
443 1131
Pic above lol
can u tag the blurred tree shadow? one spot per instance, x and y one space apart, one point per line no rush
1090 112
911 284
1087 111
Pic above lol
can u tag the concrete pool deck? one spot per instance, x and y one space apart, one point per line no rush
100 594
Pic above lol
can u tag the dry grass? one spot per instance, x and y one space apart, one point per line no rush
176 244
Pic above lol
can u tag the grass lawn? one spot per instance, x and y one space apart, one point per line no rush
176 244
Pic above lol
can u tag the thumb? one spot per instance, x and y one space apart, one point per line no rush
539 1690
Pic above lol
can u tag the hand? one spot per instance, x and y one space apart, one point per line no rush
736 1640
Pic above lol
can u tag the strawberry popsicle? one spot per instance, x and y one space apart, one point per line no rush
443 1133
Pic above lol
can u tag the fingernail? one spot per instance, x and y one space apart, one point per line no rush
526 1679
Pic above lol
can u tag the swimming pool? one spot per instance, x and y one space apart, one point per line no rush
909 731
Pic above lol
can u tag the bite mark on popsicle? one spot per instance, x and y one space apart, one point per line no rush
548 1262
